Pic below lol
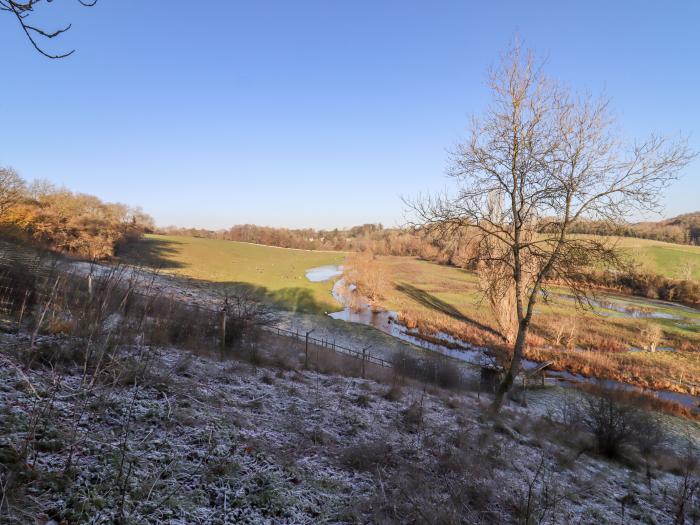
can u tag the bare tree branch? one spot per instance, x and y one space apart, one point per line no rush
22 11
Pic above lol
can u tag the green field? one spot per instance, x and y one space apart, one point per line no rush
425 289
437 297
277 274
663 258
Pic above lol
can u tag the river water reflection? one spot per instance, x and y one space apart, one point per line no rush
357 310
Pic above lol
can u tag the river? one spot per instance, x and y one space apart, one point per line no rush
358 311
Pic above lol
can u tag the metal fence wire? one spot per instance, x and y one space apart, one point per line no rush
363 354
44 280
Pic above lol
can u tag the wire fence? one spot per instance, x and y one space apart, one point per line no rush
41 293
44 292
136 283
363 354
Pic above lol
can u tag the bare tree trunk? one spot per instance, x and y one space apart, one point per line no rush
507 382
518 350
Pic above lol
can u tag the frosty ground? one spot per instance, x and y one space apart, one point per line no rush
173 437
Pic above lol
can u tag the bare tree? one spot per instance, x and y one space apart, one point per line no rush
686 270
243 316
12 189
368 274
22 11
651 336
540 159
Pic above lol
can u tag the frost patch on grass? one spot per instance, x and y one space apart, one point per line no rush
223 442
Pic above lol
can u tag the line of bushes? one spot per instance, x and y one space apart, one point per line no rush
649 285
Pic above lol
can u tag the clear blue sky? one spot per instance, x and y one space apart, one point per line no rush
315 113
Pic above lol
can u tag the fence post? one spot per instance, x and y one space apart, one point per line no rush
223 331
364 357
306 350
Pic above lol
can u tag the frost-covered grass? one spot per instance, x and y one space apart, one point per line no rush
170 437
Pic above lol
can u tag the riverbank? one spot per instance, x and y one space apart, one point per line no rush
665 376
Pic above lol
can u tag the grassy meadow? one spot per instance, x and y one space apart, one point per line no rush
664 258
434 297
596 342
278 274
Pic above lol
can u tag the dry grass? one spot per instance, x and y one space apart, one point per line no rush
434 298
675 372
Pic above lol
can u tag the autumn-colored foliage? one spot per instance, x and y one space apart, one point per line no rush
71 222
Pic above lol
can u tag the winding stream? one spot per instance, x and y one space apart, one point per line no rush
357 310
613 305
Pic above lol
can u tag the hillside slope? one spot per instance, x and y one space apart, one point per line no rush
671 260
178 438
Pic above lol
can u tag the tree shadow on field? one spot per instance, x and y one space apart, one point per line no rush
294 299
435 303
298 300
156 254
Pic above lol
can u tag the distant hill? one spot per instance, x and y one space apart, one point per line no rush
683 229
689 222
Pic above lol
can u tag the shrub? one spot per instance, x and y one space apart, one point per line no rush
446 374
245 316
412 417
436 370
363 401
18 287
393 394
52 354
686 500
366 456
611 419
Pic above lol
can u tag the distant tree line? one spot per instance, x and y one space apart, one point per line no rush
366 237
684 229
373 237
61 220
637 281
